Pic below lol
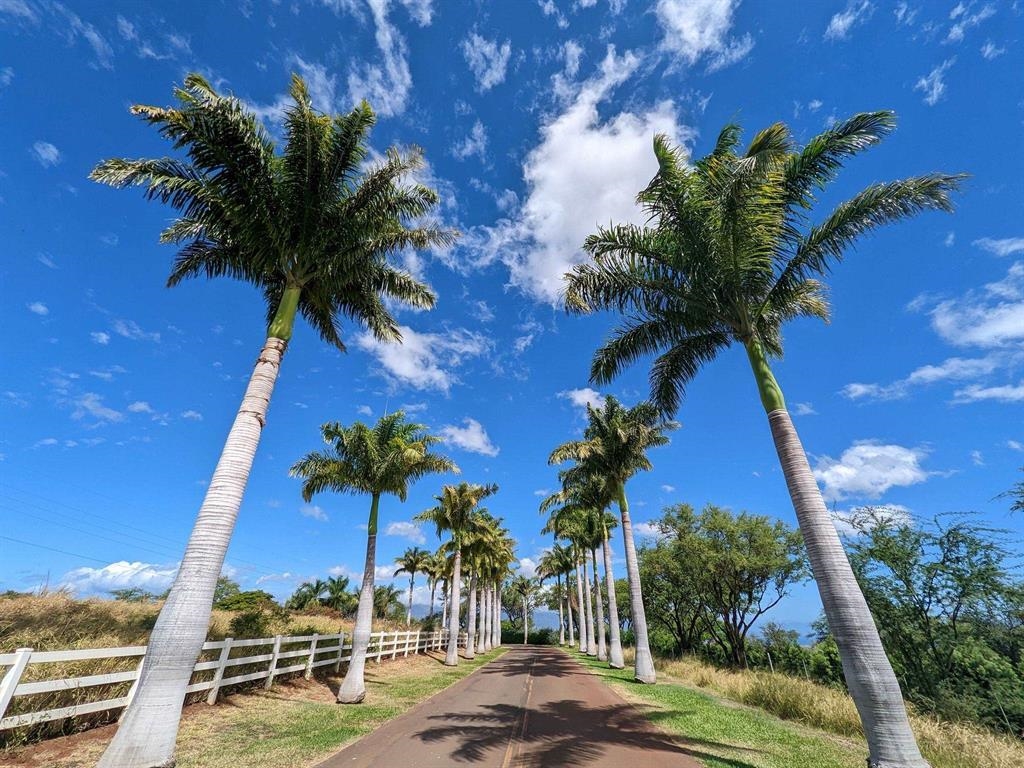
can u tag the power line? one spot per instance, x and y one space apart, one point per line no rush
54 549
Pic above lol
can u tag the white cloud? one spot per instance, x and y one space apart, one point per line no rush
612 159
527 567
487 59
1006 246
1006 393
482 311
19 9
383 572
549 8
191 415
314 511
583 397
472 437
904 13
46 154
668 488
966 20
76 28
119 575
952 369
571 53
804 409
91 404
990 317
385 85
364 410
855 13
990 50
270 577
474 144
140 406
932 85
38 308
695 28
950 239
99 337
646 530
977 459
406 530
129 329
868 469
48 441
1013 445
425 360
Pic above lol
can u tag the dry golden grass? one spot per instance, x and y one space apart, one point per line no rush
945 744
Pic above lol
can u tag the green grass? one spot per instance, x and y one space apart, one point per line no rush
726 735
294 724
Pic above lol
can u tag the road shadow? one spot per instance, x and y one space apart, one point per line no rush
560 734
539 662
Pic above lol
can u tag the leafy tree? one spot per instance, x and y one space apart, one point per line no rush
133 595
673 599
312 228
387 600
728 255
307 595
383 459
338 594
1017 495
250 600
225 588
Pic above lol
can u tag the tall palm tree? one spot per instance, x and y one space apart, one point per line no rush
524 588
729 255
338 596
383 459
548 567
435 568
307 595
414 560
385 598
457 511
564 556
614 448
312 227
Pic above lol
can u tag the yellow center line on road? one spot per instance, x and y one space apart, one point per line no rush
510 749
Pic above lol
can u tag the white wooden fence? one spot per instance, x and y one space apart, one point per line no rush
314 651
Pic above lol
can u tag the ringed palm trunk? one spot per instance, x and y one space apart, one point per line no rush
526 620
591 638
568 606
433 590
147 733
485 618
408 613
561 613
497 615
581 612
353 687
869 675
644 668
615 660
602 650
471 619
444 605
451 658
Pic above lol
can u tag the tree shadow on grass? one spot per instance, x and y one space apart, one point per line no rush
564 734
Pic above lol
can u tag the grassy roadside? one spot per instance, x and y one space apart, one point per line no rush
727 735
295 724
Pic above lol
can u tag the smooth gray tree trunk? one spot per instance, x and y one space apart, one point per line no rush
471 619
412 585
561 614
869 676
581 613
568 605
353 687
451 658
615 659
485 631
602 650
497 615
148 731
526 620
444 604
591 636
644 667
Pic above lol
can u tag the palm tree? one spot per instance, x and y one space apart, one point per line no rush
457 511
614 448
434 567
729 255
548 567
386 597
413 561
338 596
312 228
524 588
383 459
307 595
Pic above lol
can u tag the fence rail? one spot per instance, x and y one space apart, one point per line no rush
313 652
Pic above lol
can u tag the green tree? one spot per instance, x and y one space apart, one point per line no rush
133 595
338 595
458 511
728 256
387 600
225 588
414 560
250 600
312 228
307 595
614 447
383 459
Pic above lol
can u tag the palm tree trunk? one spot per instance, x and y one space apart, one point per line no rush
444 604
433 590
481 618
581 613
408 614
149 729
644 668
353 688
485 618
561 613
602 650
526 620
568 606
471 619
591 636
869 676
615 660
451 658
497 615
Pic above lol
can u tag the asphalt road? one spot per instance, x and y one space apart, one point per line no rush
533 707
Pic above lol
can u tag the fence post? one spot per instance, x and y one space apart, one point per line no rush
394 645
273 662
132 691
380 645
312 654
341 652
10 681
222 664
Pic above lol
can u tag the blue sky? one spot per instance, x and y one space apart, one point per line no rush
536 120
